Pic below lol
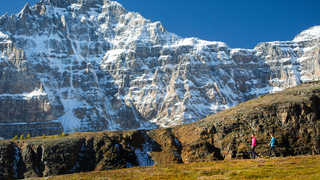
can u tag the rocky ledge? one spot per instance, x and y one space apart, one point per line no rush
292 116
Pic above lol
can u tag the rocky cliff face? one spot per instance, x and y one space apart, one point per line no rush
292 116
90 65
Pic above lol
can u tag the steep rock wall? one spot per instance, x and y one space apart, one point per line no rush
92 65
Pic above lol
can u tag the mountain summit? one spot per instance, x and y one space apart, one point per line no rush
90 65
312 33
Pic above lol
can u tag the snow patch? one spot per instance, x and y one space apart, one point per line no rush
197 42
27 96
25 123
3 35
243 52
75 6
69 121
309 34
112 4
113 55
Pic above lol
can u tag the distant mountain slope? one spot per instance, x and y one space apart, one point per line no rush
90 65
293 116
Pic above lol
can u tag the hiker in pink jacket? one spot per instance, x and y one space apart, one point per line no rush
253 146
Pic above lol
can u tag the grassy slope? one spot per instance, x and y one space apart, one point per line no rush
303 167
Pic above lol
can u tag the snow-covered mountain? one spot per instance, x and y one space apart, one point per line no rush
90 65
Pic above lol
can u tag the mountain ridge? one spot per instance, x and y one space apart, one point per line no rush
92 65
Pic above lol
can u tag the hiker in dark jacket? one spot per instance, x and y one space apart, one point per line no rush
272 145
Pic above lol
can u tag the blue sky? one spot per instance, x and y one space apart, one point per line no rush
239 23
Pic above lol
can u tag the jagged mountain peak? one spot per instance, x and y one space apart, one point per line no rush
26 10
4 16
89 65
84 3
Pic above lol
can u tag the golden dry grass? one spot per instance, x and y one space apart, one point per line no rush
293 168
